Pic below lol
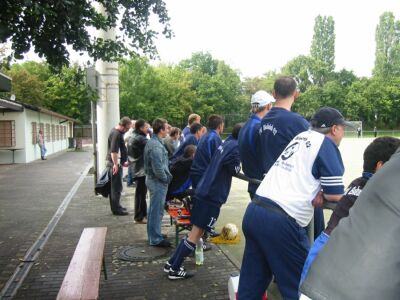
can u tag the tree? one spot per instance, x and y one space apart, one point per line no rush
387 54
26 87
323 42
68 94
51 25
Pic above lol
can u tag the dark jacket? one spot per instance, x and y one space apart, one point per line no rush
136 145
215 184
103 185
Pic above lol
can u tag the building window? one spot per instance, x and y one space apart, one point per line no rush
34 133
53 133
47 133
7 133
65 132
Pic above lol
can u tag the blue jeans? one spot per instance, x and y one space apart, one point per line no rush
158 192
43 150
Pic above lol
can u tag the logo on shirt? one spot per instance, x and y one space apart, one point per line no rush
355 191
269 127
290 150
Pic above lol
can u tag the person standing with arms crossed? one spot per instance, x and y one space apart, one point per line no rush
116 145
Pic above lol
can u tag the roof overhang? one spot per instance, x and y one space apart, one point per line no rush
8 105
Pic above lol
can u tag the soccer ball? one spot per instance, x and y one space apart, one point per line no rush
229 231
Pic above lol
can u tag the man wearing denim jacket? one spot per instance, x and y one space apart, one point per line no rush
157 179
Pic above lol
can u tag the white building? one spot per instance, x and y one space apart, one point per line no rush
19 128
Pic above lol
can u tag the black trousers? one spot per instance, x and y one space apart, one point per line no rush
116 189
140 198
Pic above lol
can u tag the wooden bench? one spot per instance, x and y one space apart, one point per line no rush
181 223
83 275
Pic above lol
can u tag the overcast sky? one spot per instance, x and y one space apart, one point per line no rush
256 36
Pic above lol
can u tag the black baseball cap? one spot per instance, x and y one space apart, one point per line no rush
326 117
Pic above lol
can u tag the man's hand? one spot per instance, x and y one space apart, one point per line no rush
125 164
115 169
318 200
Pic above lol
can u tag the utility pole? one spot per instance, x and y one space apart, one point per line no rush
108 95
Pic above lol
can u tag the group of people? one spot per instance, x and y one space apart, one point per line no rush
297 164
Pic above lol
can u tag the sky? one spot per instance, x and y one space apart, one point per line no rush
256 36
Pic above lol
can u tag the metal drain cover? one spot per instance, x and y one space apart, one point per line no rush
142 253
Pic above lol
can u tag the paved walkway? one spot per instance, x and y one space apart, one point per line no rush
30 195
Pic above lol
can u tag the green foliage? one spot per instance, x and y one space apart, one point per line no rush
323 42
65 93
50 26
387 54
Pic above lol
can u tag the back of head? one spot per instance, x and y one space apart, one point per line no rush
236 130
284 87
158 125
139 124
214 121
125 122
381 149
195 127
189 151
175 131
260 100
192 118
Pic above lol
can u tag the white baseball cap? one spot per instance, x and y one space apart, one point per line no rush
262 98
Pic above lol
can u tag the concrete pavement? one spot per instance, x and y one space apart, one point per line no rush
30 195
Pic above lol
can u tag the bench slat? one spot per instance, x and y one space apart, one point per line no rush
83 275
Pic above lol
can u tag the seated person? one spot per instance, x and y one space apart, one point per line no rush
375 155
180 171
196 132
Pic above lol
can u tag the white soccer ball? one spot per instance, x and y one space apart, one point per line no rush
229 231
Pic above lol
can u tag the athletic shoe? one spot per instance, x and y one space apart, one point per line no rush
167 267
172 275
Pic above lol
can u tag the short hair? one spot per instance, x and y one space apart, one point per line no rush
195 127
139 124
189 151
192 118
125 121
381 149
256 108
236 130
214 121
174 131
158 124
284 87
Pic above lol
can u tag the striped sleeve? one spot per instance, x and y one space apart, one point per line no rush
328 168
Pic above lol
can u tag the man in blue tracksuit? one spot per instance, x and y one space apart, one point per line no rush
211 193
208 144
278 128
196 132
261 104
274 223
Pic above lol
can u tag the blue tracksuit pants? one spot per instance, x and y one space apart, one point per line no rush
275 246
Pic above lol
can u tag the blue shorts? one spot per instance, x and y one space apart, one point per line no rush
318 245
204 215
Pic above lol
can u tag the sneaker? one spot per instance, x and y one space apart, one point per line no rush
167 267
142 221
163 243
179 275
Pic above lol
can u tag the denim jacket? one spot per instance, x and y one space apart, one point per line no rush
156 160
